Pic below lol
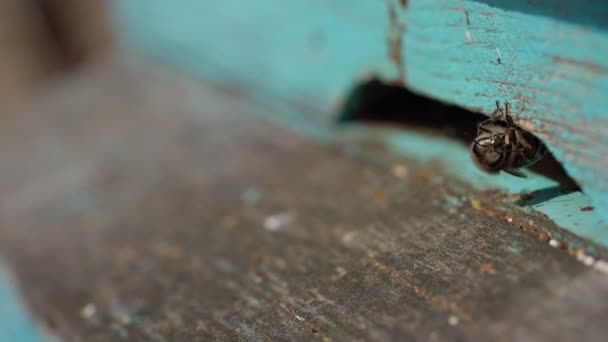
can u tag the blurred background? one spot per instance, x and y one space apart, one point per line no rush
43 39
252 49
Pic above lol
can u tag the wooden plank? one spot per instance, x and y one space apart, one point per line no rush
314 49
138 206
547 58
322 48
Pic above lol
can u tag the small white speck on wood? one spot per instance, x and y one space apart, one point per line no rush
453 321
400 171
276 222
601 266
498 54
88 311
588 260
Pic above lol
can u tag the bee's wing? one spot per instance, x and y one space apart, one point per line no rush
516 173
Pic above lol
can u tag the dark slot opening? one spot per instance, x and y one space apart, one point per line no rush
375 101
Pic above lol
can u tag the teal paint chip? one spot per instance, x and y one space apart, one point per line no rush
15 323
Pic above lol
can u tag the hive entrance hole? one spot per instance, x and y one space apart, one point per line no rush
374 101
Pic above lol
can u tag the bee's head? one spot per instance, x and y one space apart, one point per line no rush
488 153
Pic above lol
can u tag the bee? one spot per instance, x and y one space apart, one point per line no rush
501 145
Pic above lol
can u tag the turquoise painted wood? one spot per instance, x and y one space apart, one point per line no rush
311 51
546 59
15 322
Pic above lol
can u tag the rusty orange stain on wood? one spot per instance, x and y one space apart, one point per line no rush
312 326
588 65
476 204
486 267
126 254
168 250
379 198
257 258
337 232
456 9
435 300
229 221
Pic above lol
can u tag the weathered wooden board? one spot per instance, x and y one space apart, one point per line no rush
137 206
310 53
548 58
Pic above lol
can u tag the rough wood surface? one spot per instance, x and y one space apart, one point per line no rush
547 58
309 53
139 207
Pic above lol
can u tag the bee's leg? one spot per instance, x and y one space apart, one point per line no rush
507 108
498 113
511 137
496 116
508 117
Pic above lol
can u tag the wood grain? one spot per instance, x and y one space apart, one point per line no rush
309 55
547 58
144 208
